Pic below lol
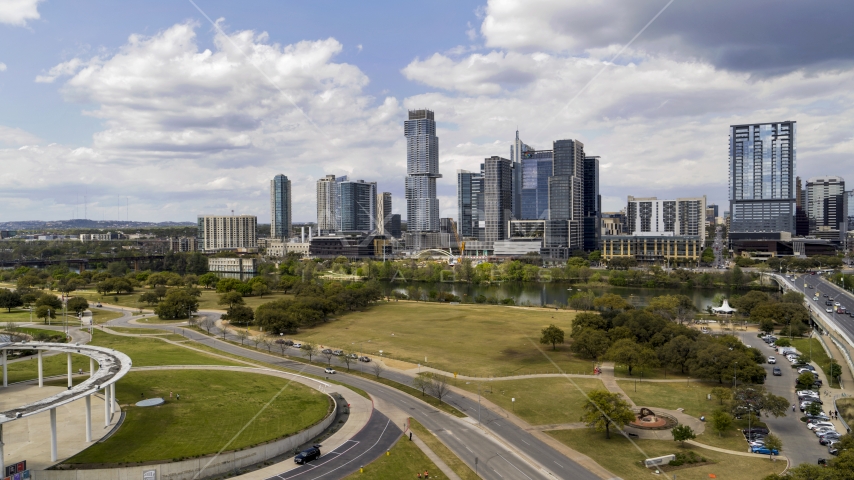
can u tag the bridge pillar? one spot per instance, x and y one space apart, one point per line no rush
112 398
69 370
2 454
91 367
53 434
5 371
88 418
41 370
106 406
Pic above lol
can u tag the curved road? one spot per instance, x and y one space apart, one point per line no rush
502 450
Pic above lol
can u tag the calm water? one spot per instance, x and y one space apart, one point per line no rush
558 294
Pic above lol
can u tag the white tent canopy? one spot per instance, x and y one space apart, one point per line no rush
725 308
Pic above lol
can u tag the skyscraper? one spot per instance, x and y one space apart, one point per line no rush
227 232
357 203
280 207
592 204
383 212
762 180
566 196
466 210
422 169
498 186
517 151
802 220
536 167
824 202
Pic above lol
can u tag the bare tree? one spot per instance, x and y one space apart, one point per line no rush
242 335
310 350
208 324
223 330
267 344
377 369
328 354
439 386
423 383
345 357
282 345
257 339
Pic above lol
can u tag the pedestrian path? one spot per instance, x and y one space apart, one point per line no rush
435 458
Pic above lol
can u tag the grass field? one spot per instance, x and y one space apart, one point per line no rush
140 331
403 462
147 352
672 395
57 335
51 365
731 439
846 409
623 459
214 406
17 316
539 401
439 448
23 316
472 340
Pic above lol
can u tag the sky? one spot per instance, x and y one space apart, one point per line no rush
164 110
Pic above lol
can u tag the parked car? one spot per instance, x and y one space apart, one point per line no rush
772 359
851 314
759 430
819 431
765 451
326 350
297 345
307 455
807 393
777 372
364 359
831 449
337 353
804 369
289 343
828 438
329 370
814 425
353 355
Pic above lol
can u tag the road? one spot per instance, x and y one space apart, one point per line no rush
496 454
843 321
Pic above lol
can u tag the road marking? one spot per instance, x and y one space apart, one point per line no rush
497 424
467 448
559 465
526 443
496 472
514 466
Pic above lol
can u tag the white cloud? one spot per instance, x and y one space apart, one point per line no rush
13 137
2 67
63 69
18 12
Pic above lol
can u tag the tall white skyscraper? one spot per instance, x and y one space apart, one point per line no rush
280 207
422 169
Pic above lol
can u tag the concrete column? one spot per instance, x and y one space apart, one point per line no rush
91 367
112 398
88 418
106 406
2 454
53 434
5 371
69 369
41 371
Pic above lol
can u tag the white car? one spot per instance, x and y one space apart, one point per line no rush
814 425
328 370
772 359
297 345
807 393
822 430
828 310
836 304
804 370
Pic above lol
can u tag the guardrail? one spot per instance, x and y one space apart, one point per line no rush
841 419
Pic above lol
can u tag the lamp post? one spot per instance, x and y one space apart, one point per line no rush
734 377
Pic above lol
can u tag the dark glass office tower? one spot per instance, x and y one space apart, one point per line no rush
357 204
498 204
592 204
280 207
762 180
422 169
536 170
566 194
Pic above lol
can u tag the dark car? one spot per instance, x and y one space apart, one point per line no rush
761 430
777 372
307 455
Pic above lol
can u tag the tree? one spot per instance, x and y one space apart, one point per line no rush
611 301
267 344
50 301
590 343
309 349
260 289
783 342
422 382
377 369
178 304
345 357
681 433
722 393
805 380
328 354
627 352
242 335
77 305
813 408
208 324
45 312
766 325
256 339
208 280
553 335
149 298
439 386
773 442
239 315
282 346
756 399
721 421
231 299
677 352
10 299
604 409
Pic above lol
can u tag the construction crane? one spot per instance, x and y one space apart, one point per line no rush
461 245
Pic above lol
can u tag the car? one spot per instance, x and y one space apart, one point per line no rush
772 359
755 430
98 304
814 425
825 295
307 455
831 449
827 438
828 310
326 350
337 353
812 393
777 372
808 399
289 343
836 304
297 345
764 451
810 286
829 303
353 355
329 370
804 370
364 359
851 314
819 431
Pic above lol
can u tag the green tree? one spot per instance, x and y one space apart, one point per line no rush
45 312
208 280
722 393
239 315
766 325
551 335
604 409
160 291
681 433
149 298
805 380
590 343
77 305
309 350
260 289
178 304
721 421
49 300
626 351
813 408
677 352
773 442
611 301
10 299
230 299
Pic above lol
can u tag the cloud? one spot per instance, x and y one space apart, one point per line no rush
2 67
18 12
63 69
14 137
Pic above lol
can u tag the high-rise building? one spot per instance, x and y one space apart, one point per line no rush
446 225
824 202
422 170
762 180
592 204
802 220
497 186
566 198
536 169
394 226
280 207
383 212
470 203
327 199
849 204
227 232
657 218
517 154
357 203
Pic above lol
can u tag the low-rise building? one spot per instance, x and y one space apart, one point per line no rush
183 244
516 248
652 249
349 246
238 267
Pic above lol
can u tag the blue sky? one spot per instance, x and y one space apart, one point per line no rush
152 103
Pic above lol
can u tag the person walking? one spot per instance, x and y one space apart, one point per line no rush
178 396
793 407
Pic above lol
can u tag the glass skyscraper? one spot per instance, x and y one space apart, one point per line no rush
422 169
498 204
592 204
280 207
357 204
536 170
762 162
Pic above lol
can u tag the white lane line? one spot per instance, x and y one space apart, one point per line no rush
514 466
467 448
559 465
526 443
496 472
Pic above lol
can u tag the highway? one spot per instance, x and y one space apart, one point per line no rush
843 321
502 450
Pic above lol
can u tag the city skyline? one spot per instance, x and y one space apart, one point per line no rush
656 114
